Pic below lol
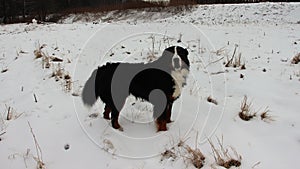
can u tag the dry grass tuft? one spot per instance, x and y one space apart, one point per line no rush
296 59
38 53
245 113
194 156
223 157
55 62
168 154
265 116
108 145
68 82
189 155
46 61
236 60
60 74
232 162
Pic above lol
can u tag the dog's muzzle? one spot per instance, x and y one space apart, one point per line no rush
176 63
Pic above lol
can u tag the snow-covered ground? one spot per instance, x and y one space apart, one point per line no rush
266 36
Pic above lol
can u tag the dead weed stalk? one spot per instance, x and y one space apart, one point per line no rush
235 60
223 157
152 55
265 116
193 156
245 112
11 113
38 53
60 74
39 154
189 155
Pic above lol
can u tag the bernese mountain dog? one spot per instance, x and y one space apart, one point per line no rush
159 82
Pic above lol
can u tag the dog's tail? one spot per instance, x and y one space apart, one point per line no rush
88 93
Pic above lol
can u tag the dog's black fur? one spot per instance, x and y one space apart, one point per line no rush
115 81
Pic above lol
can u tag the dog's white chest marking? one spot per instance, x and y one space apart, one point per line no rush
180 79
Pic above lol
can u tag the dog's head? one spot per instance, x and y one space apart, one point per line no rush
179 66
177 58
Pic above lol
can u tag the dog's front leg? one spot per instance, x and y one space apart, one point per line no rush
169 112
161 121
161 124
114 120
106 112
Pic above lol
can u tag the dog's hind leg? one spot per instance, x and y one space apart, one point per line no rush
165 117
161 123
114 120
161 118
106 112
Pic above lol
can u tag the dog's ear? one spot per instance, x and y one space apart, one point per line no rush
182 51
169 51
186 52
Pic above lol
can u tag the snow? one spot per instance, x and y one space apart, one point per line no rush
266 35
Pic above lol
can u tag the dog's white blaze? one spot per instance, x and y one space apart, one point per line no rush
180 79
176 56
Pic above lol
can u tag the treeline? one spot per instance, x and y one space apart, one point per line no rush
12 11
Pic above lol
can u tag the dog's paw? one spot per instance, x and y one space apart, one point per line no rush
162 129
121 129
116 125
170 121
161 125
106 117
